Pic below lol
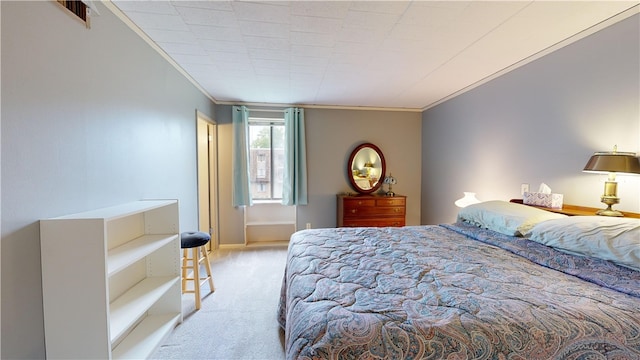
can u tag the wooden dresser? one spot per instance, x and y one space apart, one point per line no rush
371 210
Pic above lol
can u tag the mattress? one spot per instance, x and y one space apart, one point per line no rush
452 291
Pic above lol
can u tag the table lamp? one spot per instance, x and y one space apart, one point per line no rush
469 198
612 163
390 181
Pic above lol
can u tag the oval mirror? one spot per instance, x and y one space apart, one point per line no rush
366 168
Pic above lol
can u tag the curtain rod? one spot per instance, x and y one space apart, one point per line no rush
265 110
269 110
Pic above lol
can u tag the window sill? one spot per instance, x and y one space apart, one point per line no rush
258 202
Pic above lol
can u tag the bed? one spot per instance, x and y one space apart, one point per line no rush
497 284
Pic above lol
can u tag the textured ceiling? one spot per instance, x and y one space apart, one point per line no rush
380 54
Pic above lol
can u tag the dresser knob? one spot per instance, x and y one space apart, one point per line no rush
353 211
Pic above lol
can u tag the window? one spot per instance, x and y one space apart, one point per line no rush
266 157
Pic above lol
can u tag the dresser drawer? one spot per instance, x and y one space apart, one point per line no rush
391 201
356 203
373 222
350 212
371 210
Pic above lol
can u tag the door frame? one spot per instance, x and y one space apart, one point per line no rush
207 161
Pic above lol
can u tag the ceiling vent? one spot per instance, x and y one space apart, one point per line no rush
81 9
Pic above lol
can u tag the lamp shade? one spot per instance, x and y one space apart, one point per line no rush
390 180
619 162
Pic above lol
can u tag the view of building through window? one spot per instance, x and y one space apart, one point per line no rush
266 159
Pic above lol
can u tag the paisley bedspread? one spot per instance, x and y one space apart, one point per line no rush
452 292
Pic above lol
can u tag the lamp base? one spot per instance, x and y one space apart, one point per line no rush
609 212
609 200
390 191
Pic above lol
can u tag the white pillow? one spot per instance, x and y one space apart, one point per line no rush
609 238
505 217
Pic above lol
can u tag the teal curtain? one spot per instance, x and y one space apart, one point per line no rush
240 155
294 190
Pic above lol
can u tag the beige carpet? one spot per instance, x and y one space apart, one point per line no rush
238 320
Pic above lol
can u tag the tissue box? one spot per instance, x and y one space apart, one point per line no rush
553 201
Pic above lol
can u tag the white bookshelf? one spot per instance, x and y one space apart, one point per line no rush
111 280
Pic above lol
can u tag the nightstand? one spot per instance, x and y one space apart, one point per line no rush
575 210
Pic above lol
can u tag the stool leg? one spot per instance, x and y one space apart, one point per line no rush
196 276
185 259
207 266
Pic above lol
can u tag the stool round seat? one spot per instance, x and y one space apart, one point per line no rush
191 239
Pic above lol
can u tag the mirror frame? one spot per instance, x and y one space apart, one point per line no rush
383 168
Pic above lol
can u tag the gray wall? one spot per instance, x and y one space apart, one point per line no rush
331 136
538 123
90 118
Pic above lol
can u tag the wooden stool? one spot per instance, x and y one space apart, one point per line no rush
196 241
